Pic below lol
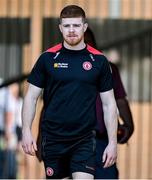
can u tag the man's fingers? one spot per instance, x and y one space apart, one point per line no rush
104 156
24 148
109 162
109 155
106 160
32 149
112 162
35 146
29 149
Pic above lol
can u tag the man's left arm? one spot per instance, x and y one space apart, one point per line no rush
111 122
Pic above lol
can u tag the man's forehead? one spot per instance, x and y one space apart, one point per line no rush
75 20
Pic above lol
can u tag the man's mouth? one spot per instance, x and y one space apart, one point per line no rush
72 35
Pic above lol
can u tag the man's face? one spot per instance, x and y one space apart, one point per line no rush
73 30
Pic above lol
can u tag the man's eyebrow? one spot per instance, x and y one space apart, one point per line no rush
71 24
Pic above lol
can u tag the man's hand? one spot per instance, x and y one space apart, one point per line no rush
28 143
109 155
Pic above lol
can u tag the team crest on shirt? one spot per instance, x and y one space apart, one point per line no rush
87 65
49 171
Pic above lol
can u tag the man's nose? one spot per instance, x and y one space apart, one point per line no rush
71 29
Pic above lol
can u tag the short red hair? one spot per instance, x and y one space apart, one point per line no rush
72 11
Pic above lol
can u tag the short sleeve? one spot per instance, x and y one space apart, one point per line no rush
37 75
105 79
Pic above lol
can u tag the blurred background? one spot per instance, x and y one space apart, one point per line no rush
123 31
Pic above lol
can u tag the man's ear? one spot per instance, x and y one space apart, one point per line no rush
60 28
85 27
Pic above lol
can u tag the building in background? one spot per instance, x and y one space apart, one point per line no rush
122 28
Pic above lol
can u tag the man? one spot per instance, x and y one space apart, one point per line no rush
71 74
125 129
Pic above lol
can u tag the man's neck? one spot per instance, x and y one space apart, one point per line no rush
79 46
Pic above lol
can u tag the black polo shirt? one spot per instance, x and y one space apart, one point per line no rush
71 80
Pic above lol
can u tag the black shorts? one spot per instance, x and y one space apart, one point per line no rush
63 158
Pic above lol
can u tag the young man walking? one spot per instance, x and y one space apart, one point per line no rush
71 74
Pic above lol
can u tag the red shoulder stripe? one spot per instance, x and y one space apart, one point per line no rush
93 50
55 48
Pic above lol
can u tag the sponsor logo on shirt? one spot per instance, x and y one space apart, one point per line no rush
87 65
60 65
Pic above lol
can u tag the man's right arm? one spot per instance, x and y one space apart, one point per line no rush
28 113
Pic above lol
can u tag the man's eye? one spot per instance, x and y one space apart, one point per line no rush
76 25
66 25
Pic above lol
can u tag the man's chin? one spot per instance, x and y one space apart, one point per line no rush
72 42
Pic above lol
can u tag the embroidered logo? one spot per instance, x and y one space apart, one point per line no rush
60 65
87 65
49 171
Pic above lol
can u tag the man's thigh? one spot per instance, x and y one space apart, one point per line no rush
56 168
100 172
56 160
82 175
83 159
63 159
